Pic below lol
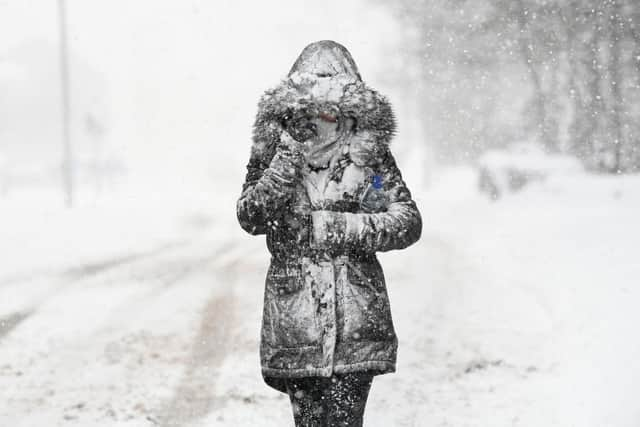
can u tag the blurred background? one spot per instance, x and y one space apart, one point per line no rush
129 295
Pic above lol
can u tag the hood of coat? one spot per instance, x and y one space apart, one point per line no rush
325 77
323 70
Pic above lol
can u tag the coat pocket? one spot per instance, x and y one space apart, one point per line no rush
284 280
367 314
290 311
368 275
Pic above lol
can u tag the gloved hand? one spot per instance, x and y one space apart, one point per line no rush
299 125
288 161
288 143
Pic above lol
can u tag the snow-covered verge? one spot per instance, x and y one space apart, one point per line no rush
504 171
532 305
520 312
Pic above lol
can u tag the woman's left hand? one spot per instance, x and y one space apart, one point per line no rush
289 143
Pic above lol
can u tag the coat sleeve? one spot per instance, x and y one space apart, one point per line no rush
396 228
271 178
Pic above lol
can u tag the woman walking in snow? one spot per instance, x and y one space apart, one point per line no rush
323 186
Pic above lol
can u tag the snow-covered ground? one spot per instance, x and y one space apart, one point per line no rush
521 312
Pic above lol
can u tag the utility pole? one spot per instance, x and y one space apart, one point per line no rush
67 160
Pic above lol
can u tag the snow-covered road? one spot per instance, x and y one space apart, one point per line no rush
516 313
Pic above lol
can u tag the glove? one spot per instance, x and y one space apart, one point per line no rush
290 144
288 161
299 125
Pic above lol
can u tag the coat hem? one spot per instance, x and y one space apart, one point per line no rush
379 366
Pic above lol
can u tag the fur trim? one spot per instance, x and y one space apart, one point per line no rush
371 111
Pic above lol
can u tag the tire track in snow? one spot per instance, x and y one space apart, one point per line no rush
194 396
61 280
94 272
95 268
135 282
9 322
91 268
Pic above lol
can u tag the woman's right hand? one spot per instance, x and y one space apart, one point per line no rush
299 124
288 162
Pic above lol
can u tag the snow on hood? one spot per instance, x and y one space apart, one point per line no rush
324 76
323 70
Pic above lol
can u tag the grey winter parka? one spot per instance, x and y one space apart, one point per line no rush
326 308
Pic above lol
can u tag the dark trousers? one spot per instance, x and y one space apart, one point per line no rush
329 402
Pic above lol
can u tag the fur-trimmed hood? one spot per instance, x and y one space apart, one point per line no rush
325 75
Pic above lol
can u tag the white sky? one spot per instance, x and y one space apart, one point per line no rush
176 81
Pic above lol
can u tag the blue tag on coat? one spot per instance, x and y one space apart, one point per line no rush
377 182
